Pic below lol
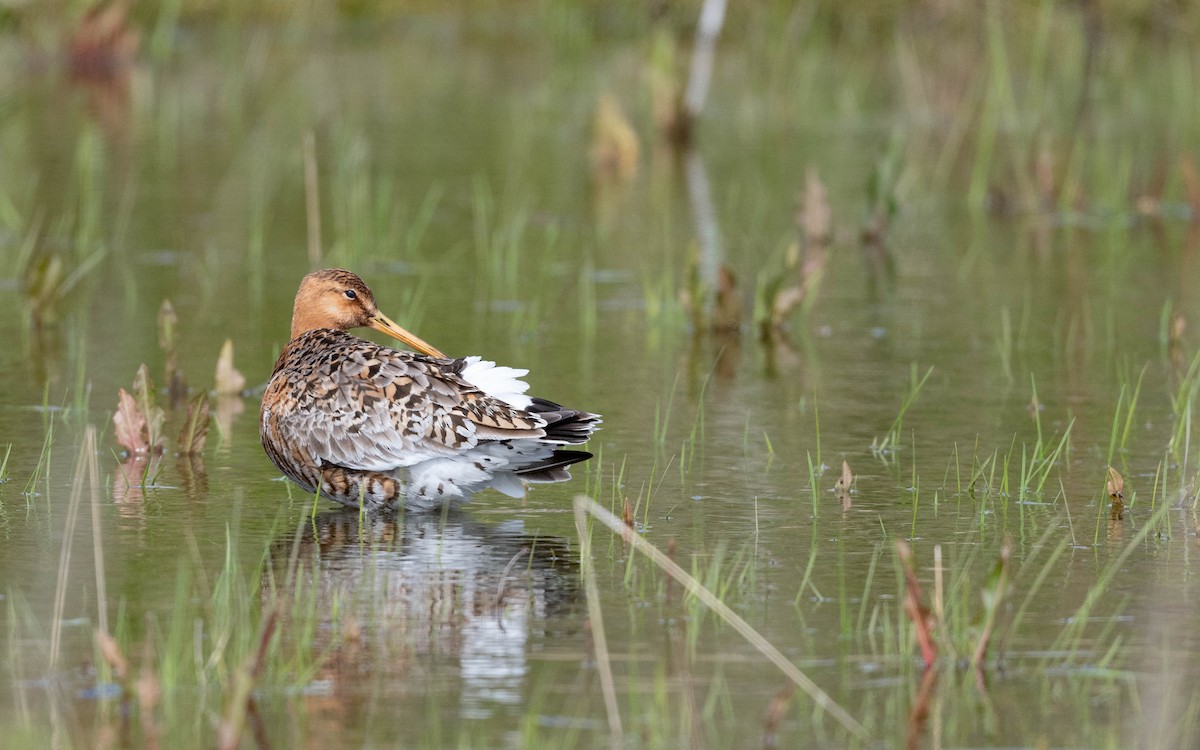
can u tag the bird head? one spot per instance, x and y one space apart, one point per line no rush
336 298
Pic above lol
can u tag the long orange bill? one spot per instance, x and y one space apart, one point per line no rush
386 325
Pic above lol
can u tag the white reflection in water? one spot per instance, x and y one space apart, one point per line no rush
465 593
493 661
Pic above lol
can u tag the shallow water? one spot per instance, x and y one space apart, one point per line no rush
471 628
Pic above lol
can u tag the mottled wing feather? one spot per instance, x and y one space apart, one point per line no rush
376 408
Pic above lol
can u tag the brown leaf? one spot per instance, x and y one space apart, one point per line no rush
230 382
195 426
845 481
144 395
842 489
1116 493
143 387
1116 485
129 425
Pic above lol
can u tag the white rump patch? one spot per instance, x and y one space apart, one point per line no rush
503 383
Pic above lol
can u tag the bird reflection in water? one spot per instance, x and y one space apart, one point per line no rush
424 592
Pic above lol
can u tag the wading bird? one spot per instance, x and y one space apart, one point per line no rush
373 426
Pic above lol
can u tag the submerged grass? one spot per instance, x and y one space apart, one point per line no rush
205 640
891 439
208 649
1071 637
41 471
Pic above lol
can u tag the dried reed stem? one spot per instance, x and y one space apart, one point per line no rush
697 589
64 559
89 448
595 617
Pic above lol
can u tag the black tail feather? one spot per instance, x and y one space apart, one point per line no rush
553 469
568 426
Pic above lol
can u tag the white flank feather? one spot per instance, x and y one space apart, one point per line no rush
503 383
454 479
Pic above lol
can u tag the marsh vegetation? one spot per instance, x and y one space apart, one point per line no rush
895 346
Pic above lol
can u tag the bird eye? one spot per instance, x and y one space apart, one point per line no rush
350 294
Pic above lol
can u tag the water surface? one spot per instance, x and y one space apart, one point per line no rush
462 192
